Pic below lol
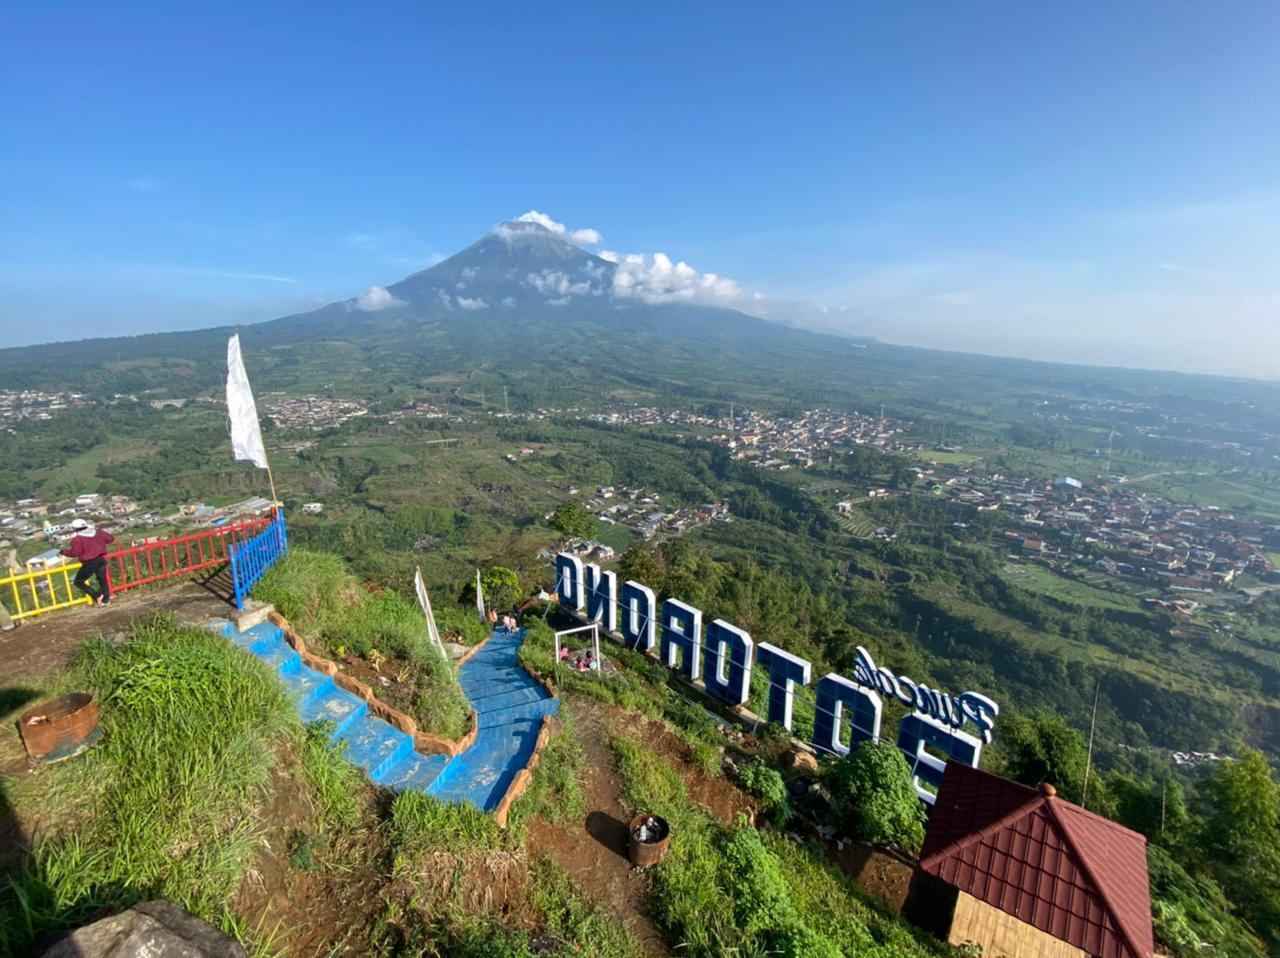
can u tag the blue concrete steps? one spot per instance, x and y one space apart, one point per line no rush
304 682
509 706
415 771
332 704
374 745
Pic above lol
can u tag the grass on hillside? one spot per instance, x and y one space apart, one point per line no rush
639 684
320 597
556 792
744 892
166 805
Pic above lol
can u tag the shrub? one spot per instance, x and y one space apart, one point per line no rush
873 798
766 783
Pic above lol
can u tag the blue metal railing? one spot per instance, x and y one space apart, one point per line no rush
251 559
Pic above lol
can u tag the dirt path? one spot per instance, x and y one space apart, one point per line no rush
596 855
45 644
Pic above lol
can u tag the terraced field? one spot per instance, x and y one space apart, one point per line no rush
857 524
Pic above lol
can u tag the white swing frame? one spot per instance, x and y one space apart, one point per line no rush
594 629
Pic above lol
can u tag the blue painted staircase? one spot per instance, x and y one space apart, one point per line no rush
509 706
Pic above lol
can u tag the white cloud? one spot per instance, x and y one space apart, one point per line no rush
655 279
509 301
552 282
583 237
377 298
476 303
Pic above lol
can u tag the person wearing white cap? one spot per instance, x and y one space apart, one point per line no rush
89 547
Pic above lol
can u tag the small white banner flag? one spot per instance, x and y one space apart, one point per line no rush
424 600
479 596
246 434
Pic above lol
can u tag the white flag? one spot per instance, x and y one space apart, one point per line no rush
479 596
424 600
246 434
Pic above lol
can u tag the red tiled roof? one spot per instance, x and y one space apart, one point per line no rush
1047 862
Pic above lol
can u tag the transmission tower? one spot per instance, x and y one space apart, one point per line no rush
506 405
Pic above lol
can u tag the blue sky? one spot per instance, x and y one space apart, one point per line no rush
1087 181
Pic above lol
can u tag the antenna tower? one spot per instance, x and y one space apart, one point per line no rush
506 405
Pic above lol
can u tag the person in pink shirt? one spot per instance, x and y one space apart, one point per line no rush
89 547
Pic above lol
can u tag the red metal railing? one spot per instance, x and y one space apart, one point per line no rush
149 562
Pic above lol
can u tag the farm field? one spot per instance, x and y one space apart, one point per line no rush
1097 592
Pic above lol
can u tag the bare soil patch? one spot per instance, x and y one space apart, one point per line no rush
595 852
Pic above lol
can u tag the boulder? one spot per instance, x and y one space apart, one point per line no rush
154 929
799 759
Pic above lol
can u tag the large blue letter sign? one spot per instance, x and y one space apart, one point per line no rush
602 597
726 662
930 734
834 693
681 632
639 616
569 582
785 670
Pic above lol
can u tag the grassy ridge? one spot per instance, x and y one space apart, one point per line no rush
318 594
165 806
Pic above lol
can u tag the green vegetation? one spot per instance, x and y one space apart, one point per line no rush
738 891
573 521
765 782
501 587
165 805
1039 747
421 824
327 605
334 781
556 793
1192 915
873 797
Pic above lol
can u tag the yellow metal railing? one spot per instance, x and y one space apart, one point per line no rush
26 594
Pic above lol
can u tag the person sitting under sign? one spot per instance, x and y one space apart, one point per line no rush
564 653
592 663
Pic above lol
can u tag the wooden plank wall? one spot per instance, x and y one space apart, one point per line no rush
1000 935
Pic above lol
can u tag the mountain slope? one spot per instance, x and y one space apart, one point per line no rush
556 325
